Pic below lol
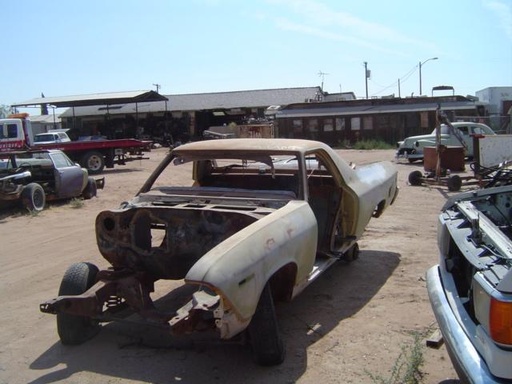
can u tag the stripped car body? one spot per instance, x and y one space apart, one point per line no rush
471 289
32 177
248 225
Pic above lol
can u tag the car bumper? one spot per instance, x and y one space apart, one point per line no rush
408 153
468 363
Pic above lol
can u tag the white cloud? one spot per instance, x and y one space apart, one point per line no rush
288 25
319 20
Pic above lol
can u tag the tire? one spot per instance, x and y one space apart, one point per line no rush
90 189
454 183
265 337
33 197
93 161
415 178
352 254
74 329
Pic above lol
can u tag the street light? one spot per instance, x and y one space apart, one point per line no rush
421 63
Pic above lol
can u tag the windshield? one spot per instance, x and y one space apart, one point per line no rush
232 173
45 137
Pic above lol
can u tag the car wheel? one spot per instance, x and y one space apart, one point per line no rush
33 197
74 329
454 183
265 337
93 162
90 190
415 178
352 254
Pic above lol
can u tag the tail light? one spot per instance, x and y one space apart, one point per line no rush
500 321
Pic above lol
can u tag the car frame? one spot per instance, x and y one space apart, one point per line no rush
33 177
251 229
412 148
470 290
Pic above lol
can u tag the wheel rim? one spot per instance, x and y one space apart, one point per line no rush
38 199
94 163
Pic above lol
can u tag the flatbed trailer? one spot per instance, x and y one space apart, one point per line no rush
94 155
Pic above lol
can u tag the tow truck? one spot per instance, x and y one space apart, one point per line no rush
94 155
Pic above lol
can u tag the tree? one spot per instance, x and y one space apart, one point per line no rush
5 110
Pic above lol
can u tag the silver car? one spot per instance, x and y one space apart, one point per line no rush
471 289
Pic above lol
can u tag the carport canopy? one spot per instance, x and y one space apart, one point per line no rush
95 99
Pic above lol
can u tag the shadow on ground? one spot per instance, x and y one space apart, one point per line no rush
148 354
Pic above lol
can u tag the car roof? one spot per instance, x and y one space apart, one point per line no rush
252 145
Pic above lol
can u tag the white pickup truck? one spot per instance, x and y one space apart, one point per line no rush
412 147
51 137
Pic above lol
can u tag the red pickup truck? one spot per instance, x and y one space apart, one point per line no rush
94 155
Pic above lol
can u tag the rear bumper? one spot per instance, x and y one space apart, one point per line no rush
100 183
468 363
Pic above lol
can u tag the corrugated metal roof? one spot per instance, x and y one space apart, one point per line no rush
95 99
340 110
205 101
44 119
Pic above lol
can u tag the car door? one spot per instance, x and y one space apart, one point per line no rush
68 176
324 197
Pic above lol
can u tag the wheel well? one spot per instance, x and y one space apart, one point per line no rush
282 282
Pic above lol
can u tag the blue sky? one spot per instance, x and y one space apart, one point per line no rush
63 47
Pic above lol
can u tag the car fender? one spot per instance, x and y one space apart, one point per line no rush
239 267
421 144
374 189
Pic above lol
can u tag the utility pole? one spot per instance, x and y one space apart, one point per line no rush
366 76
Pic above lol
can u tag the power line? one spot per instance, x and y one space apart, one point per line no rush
401 80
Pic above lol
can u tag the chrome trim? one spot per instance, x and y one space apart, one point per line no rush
467 362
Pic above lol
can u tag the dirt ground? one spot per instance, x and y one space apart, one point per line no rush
350 326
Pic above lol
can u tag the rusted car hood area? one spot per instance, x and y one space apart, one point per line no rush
166 231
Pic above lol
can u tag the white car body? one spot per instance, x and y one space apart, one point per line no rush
412 147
